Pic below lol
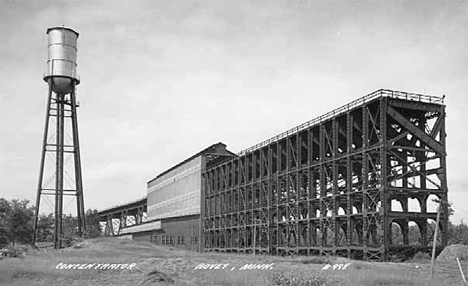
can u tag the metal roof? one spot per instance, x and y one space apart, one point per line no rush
62 28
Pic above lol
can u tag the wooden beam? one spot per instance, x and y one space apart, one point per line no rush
428 140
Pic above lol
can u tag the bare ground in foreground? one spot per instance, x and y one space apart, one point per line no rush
156 265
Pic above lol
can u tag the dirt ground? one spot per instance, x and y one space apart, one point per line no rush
157 265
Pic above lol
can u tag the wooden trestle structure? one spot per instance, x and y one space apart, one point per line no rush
327 186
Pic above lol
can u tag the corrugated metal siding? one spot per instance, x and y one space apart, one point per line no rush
176 193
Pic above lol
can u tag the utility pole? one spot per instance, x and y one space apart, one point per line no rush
435 239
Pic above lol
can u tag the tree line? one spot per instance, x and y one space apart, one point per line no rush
17 220
17 224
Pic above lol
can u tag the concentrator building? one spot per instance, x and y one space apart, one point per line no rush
340 184
170 214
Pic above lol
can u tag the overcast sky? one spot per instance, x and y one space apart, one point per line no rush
162 80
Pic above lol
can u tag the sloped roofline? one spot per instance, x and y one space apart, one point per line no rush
202 152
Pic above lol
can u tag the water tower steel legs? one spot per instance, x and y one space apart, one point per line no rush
59 172
58 104
79 182
41 168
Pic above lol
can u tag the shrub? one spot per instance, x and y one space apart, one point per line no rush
156 276
359 265
317 260
421 256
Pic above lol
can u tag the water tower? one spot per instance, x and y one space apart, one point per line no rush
60 169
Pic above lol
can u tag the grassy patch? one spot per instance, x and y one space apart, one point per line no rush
157 265
389 281
317 260
375 274
358 265
231 278
297 278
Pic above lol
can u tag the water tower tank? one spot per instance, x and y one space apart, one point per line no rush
61 64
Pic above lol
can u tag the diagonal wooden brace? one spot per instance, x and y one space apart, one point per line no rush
428 140
437 126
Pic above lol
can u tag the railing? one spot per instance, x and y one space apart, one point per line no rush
360 101
122 205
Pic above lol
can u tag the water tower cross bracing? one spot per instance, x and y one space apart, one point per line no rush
60 168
